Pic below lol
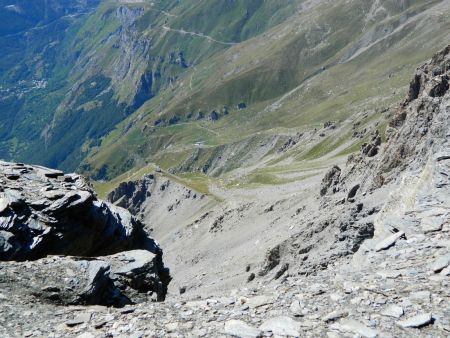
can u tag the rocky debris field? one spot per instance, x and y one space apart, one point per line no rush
371 260
399 291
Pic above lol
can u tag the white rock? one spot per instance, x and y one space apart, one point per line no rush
422 296
445 272
417 321
350 325
282 326
296 308
441 263
258 301
238 328
334 315
389 241
86 335
393 311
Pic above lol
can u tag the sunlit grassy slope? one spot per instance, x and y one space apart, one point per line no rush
340 61
129 83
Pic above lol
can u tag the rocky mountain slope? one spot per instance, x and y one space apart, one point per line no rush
367 255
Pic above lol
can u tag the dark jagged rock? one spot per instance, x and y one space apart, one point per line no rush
199 115
130 195
331 179
213 116
241 106
371 149
44 212
421 124
291 141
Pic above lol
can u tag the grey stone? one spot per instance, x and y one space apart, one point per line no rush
331 317
238 328
422 296
441 263
432 224
257 301
295 308
350 325
281 326
445 272
4 204
393 311
417 321
389 241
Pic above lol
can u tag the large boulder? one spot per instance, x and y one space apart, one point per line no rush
44 212
117 280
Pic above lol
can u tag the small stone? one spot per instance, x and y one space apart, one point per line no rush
335 297
432 224
389 241
393 311
422 296
350 325
331 317
441 263
99 324
238 328
281 326
74 322
259 301
138 334
86 335
417 321
296 308
171 327
445 272
84 317
389 274
4 204
127 310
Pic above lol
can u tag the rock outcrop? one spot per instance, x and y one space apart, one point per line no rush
355 202
131 195
44 212
125 278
